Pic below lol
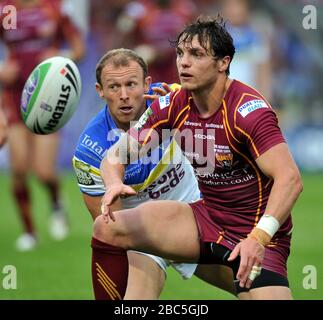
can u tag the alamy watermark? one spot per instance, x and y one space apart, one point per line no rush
9 21
310 280
310 18
9 280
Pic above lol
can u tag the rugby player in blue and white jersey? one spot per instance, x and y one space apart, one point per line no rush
122 82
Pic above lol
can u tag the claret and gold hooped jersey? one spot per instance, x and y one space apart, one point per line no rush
159 179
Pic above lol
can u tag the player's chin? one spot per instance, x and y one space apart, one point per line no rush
127 116
187 85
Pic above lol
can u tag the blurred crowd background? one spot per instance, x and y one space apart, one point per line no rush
275 54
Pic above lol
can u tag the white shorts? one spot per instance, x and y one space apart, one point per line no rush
186 270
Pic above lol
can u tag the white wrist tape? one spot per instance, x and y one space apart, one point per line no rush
269 224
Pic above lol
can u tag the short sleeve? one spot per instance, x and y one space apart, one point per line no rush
257 125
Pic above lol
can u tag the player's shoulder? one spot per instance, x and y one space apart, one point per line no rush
98 121
243 100
175 99
98 136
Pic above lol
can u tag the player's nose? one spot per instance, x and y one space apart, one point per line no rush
185 61
124 93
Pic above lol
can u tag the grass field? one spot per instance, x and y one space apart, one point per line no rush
61 270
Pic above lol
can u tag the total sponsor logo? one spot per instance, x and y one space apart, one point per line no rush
251 106
92 145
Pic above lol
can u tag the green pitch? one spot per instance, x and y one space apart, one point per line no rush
61 270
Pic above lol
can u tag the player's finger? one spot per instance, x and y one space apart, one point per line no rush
235 252
166 87
253 274
112 216
243 267
159 91
127 190
245 275
151 96
105 212
110 197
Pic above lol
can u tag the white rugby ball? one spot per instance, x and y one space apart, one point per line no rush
51 95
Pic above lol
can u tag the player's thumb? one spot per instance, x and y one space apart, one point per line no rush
127 190
234 254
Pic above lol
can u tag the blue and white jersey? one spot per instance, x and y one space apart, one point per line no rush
161 179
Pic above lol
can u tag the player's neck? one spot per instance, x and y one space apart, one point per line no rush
209 100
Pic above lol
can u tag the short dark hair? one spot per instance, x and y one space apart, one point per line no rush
120 57
210 31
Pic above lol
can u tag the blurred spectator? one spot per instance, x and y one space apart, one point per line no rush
3 128
251 63
78 10
42 29
147 27
104 17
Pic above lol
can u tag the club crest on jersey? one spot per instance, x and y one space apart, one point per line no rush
164 101
224 156
225 160
251 106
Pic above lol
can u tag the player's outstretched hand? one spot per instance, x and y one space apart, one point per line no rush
251 256
112 193
158 92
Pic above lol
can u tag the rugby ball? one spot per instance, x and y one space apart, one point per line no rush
50 95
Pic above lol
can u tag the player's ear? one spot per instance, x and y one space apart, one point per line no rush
148 81
99 89
223 64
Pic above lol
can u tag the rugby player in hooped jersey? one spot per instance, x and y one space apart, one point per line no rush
44 29
248 179
122 81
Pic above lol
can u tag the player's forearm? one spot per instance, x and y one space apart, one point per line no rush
284 194
278 164
112 171
114 164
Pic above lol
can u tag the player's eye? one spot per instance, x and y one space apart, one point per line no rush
179 52
197 54
132 84
112 87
